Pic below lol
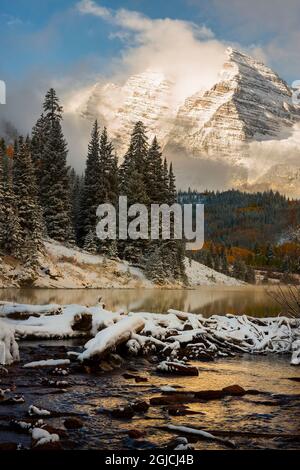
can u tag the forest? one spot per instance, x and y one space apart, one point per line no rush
248 231
41 196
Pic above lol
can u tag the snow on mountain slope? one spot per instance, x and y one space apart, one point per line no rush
200 275
249 102
145 97
247 111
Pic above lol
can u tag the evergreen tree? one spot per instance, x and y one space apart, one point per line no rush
76 187
239 269
91 242
156 188
90 198
172 186
132 175
28 210
106 162
55 191
224 264
11 238
155 268
250 275
2 195
38 141
166 182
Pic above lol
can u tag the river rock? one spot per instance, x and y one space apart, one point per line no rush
83 322
234 390
177 368
135 434
73 423
140 406
125 412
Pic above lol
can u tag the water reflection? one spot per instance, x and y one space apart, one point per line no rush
252 300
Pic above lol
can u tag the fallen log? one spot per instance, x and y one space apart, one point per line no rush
199 433
109 338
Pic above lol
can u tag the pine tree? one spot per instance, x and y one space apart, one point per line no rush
90 199
12 239
155 184
55 191
166 183
134 166
250 275
224 264
114 181
132 175
76 186
28 210
106 162
2 194
172 186
239 269
38 141
91 242
155 269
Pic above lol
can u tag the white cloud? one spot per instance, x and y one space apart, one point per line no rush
184 52
89 7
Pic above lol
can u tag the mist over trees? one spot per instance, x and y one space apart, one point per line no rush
41 196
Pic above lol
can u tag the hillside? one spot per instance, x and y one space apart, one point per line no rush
64 267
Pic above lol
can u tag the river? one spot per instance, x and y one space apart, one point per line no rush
219 300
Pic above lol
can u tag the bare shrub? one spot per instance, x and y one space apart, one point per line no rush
288 297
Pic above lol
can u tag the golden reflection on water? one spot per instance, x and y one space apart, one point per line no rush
249 300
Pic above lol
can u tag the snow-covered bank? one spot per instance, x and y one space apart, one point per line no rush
66 267
9 350
177 335
200 275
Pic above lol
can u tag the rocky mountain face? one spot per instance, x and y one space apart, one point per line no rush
145 97
249 103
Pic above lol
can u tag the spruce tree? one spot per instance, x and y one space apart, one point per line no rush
132 175
76 187
155 184
108 187
38 141
55 191
90 198
2 194
133 168
250 275
12 240
28 210
239 269
172 186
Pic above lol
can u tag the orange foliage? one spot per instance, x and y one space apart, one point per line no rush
10 151
289 249
249 209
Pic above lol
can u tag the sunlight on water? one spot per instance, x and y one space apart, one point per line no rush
252 300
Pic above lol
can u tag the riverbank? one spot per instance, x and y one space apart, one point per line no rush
85 377
64 267
84 405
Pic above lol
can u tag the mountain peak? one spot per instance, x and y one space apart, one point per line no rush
248 103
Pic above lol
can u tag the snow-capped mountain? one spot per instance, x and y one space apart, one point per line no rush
145 97
249 103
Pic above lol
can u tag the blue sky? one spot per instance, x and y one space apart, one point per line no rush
55 38
72 44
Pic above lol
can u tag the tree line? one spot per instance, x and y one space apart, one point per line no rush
41 196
